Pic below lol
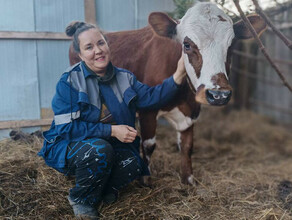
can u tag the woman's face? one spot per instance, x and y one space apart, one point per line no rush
94 50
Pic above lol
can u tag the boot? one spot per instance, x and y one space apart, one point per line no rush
83 211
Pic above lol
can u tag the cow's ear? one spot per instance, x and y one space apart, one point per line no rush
242 32
162 24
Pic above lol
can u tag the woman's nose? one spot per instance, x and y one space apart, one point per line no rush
97 50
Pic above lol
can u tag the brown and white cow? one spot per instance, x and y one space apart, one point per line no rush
205 35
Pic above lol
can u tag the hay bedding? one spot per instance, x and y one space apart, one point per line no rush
242 162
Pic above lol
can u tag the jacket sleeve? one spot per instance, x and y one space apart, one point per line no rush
68 123
154 97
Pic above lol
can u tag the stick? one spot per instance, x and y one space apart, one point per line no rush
259 42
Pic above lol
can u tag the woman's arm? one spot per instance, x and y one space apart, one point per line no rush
157 96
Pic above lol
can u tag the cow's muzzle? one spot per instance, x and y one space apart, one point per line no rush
218 97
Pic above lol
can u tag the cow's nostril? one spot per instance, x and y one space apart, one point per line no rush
218 97
226 94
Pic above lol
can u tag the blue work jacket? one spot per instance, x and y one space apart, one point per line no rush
77 106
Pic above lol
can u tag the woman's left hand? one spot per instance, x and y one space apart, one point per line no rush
180 72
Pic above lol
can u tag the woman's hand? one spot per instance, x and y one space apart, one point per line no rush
124 133
180 72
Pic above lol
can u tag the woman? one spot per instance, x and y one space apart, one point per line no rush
93 135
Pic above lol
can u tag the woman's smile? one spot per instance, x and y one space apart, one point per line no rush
100 59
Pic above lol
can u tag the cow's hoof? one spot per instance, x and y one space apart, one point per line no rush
146 181
189 180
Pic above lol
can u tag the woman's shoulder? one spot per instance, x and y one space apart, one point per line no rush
122 70
74 69
124 74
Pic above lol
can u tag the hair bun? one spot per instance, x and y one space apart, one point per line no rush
72 27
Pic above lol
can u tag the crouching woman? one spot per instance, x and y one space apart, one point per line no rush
93 135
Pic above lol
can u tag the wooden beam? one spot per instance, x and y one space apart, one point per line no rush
89 11
33 35
251 56
24 123
255 76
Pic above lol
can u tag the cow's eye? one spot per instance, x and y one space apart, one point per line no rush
187 46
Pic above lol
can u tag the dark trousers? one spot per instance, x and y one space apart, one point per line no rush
99 168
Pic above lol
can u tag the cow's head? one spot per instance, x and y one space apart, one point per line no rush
206 34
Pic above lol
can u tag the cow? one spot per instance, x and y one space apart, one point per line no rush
205 35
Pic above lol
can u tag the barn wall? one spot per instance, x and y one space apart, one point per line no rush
257 85
19 80
30 68
278 95
20 14
146 7
118 15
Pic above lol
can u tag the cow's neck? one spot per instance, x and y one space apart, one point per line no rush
142 47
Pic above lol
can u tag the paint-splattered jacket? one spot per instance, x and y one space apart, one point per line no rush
77 105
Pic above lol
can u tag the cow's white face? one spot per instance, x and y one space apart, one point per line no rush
206 33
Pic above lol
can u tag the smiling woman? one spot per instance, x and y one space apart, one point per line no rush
93 135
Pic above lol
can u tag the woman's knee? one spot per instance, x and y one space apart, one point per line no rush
104 151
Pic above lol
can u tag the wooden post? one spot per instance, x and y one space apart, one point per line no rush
89 11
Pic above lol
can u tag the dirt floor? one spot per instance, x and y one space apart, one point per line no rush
241 161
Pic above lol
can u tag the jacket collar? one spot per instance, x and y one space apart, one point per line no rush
110 73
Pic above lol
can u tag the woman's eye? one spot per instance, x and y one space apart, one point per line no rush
88 48
101 43
187 46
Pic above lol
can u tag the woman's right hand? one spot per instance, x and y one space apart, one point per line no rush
124 133
180 72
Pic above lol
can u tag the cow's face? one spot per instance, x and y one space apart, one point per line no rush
206 34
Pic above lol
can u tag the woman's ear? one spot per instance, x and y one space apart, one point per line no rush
79 55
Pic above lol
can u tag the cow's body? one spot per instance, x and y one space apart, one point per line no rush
153 58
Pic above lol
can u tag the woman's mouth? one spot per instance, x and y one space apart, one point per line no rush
100 59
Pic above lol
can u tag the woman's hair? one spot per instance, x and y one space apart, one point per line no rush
75 28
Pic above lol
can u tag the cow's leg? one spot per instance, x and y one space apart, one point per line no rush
148 125
186 146
181 119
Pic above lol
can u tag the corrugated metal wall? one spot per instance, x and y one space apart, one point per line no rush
29 69
118 15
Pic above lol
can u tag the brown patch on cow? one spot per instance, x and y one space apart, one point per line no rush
228 59
191 86
221 18
73 55
150 57
194 55
201 95
221 80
